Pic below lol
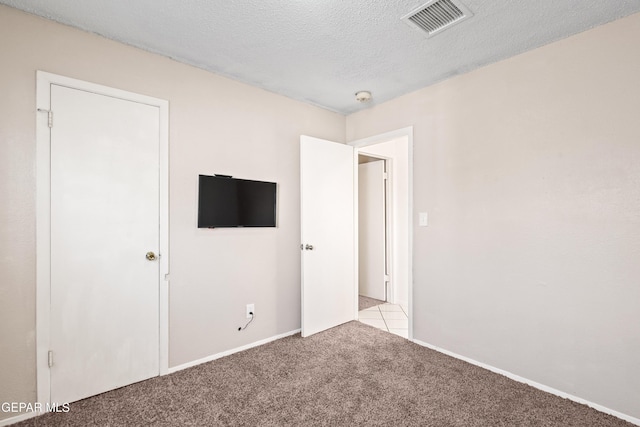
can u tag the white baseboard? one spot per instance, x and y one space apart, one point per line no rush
229 352
18 418
537 385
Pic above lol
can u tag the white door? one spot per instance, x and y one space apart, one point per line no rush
328 243
371 230
104 314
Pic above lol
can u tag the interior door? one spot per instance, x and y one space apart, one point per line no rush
371 230
104 315
328 243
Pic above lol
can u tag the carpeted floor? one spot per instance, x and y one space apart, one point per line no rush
351 375
366 302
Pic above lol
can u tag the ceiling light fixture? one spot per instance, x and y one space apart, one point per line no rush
363 96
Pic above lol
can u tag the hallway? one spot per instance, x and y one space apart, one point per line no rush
387 317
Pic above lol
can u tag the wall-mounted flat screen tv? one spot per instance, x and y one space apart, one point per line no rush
224 201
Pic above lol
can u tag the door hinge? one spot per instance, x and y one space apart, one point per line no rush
385 175
50 358
387 278
49 116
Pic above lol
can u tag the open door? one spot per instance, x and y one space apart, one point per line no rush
372 230
328 234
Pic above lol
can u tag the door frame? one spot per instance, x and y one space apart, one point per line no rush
43 219
407 133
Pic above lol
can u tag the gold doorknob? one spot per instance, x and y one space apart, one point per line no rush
151 256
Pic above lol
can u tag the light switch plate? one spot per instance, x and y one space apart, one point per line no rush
423 219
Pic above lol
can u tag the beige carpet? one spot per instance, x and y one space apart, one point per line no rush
352 375
366 302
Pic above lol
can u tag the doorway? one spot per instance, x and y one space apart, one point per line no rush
329 236
394 314
102 238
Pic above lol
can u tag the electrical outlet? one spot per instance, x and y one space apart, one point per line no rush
250 309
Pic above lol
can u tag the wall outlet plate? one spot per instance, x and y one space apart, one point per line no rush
250 309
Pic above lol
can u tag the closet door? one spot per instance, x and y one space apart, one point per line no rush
104 313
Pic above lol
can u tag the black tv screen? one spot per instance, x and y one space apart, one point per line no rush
224 201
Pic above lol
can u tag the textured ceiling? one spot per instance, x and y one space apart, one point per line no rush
323 51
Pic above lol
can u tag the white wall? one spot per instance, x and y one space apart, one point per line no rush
397 151
216 126
529 169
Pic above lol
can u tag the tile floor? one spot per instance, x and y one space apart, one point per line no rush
388 317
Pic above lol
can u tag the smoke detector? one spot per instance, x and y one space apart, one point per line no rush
436 16
363 96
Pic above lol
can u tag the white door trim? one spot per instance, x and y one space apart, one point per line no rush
377 139
43 215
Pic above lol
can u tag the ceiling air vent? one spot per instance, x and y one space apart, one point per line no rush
437 15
